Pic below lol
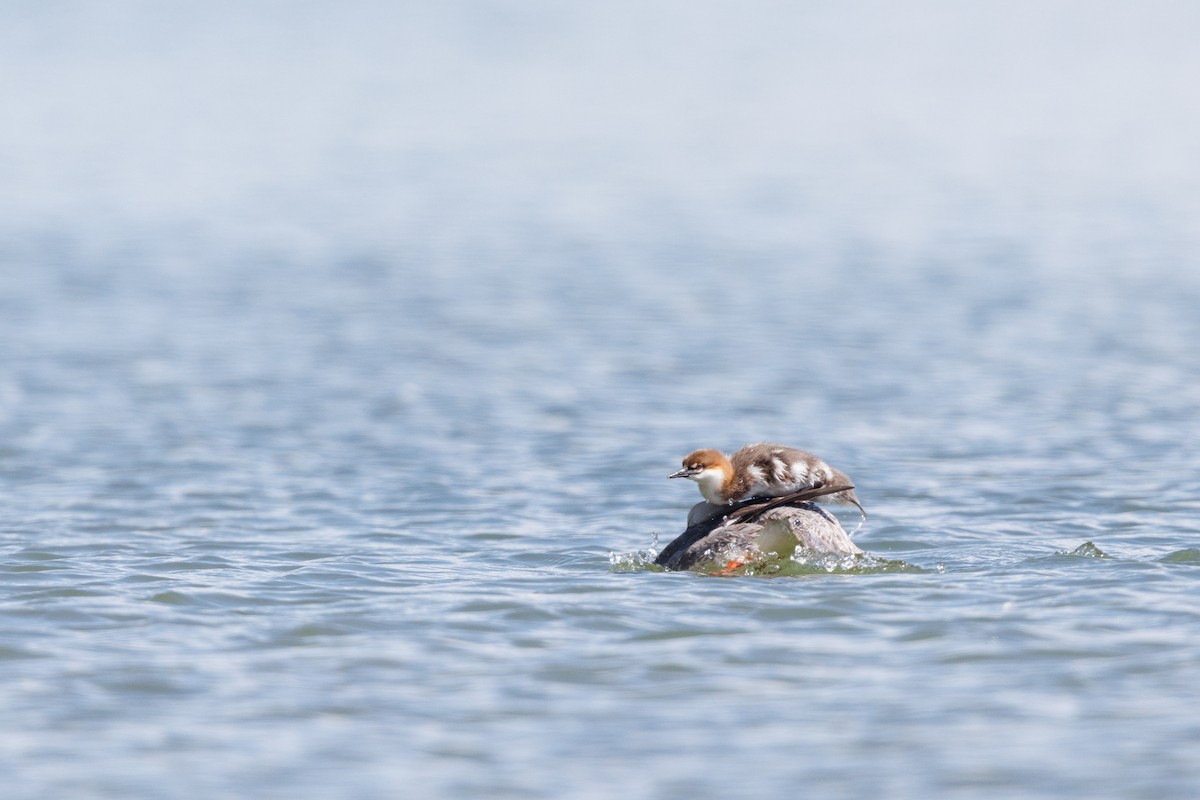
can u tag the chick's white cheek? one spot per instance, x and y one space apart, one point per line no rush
710 478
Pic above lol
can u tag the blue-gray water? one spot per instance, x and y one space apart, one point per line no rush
345 348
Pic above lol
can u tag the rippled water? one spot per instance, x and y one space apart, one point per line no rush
344 355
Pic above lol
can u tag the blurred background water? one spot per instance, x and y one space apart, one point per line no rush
345 348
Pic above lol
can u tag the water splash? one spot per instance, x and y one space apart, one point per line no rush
800 563
808 563
637 561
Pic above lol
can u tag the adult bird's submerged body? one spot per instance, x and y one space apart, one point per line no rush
756 529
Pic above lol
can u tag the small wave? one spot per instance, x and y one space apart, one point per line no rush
1085 550
1188 556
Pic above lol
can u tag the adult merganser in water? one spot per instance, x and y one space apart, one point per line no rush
763 470
736 535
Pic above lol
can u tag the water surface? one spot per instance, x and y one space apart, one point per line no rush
344 355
